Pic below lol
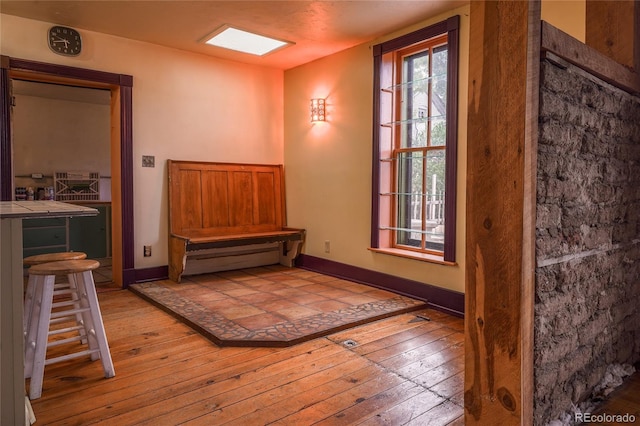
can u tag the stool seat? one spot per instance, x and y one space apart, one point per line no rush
64 267
37 259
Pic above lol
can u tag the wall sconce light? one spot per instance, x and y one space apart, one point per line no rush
318 110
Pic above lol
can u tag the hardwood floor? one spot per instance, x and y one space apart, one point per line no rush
406 369
623 405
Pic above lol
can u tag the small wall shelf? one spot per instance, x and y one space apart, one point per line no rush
77 186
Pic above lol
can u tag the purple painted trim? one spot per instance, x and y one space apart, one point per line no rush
449 301
413 38
73 72
151 274
6 169
126 179
451 172
375 170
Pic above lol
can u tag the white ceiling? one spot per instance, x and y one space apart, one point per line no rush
318 28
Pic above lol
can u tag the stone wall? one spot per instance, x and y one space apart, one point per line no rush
587 311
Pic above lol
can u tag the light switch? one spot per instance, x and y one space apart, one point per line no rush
148 161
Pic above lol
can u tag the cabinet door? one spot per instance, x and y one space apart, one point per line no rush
44 236
89 234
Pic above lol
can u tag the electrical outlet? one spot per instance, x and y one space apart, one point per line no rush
327 246
147 251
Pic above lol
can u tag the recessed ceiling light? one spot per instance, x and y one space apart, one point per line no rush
244 41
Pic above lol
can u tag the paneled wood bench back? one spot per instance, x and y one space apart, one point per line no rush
225 216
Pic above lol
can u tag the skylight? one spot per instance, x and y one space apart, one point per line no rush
243 41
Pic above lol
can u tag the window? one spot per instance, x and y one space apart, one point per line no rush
415 139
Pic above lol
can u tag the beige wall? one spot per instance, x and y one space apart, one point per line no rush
185 106
190 106
78 126
328 165
567 15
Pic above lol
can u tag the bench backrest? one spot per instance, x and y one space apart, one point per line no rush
211 199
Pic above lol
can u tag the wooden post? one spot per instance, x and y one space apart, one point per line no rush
502 127
613 28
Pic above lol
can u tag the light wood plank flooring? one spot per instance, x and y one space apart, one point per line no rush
406 369
625 400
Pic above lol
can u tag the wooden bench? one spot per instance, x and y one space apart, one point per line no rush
225 216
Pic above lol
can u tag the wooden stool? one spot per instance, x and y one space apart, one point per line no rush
62 288
91 327
53 257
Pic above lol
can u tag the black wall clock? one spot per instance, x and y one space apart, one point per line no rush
65 40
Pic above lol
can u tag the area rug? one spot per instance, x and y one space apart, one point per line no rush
272 306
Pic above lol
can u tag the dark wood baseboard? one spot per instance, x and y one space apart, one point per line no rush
152 274
449 301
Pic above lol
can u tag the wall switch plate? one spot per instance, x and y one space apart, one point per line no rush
148 161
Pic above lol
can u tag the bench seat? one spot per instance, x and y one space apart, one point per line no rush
226 216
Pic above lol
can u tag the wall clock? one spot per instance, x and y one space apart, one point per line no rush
64 40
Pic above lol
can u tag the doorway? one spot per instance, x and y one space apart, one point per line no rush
120 87
66 157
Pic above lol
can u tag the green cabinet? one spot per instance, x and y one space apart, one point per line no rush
90 234
44 236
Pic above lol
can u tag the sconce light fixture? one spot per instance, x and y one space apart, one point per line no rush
318 110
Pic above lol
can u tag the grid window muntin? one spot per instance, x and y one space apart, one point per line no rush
419 146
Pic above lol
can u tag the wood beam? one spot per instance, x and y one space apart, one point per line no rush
594 62
613 28
502 128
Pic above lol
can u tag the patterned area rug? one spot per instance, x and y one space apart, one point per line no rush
272 306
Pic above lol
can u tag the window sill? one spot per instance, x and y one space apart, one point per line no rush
424 257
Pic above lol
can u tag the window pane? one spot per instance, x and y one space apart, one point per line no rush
434 213
410 195
415 100
439 97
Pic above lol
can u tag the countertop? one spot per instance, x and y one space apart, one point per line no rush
38 209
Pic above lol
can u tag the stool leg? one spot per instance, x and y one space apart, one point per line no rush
45 285
86 319
93 319
76 295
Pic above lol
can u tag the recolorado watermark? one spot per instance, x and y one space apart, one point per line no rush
605 418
